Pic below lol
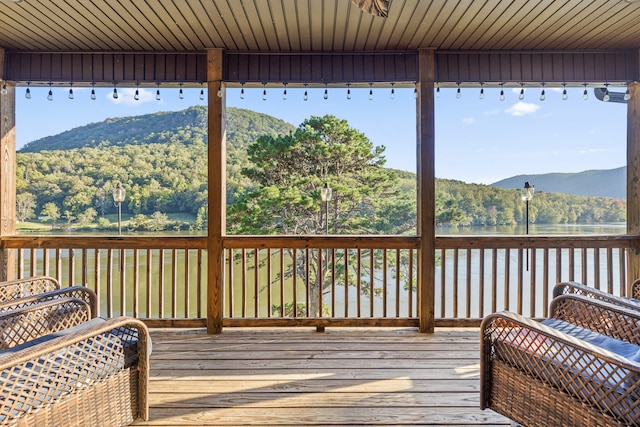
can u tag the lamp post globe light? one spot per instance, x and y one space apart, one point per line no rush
527 194
118 197
326 193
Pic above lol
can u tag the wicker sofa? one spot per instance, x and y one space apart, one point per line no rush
580 367
19 288
575 288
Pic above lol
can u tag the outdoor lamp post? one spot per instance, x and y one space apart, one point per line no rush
527 194
326 193
118 198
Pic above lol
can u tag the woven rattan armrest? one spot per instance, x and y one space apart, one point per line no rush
43 378
575 288
558 361
635 289
612 320
34 321
13 289
80 292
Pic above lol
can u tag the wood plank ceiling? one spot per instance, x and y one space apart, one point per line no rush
317 25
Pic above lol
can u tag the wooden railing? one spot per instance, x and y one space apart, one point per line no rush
365 280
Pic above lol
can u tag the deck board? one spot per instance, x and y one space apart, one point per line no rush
297 377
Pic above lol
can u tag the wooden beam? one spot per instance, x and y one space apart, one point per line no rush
633 180
7 171
217 191
426 187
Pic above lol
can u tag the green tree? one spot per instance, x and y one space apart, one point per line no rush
289 173
51 211
25 205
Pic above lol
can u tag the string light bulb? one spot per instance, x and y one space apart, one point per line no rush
348 91
438 91
71 95
458 92
219 93
306 94
136 96
502 97
606 96
370 91
521 96
115 91
415 90
326 92
180 93
4 90
242 91
93 91
284 93
158 98
27 93
264 91
565 96
585 94
50 94
481 91
392 95
201 92
543 95
627 94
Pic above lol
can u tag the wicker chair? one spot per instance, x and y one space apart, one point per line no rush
635 289
20 288
575 288
80 292
27 323
93 374
581 367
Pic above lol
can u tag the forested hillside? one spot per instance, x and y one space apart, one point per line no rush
161 160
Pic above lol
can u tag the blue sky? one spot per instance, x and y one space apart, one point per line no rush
477 140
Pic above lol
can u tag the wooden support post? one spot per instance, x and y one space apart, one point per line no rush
7 172
426 188
217 191
633 181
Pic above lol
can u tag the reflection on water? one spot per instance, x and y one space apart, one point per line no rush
541 229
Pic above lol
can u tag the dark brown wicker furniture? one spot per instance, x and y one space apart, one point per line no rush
94 374
635 289
554 373
575 288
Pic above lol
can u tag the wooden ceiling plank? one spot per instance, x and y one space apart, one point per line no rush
364 31
492 17
393 29
478 15
201 24
339 27
352 28
598 34
152 36
260 16
166 10
438 17
279 23
380 31
244 27
130 26
187 35
316 17
416 14
164 37
225 15
541 24
457 17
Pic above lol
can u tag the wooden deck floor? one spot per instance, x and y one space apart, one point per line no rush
298 377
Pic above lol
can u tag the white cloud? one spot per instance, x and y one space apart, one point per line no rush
468 120
126 94
520 109
492 112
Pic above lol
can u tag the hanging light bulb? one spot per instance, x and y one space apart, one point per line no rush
219 91
158 98
606 96
370 91
392 95
481 91
284 93
264 92
50 94
585 94
201 92
348 91
502 92
115 92
242 91
306 95
326 92
93 91
27 93
438 91
180 93
543 96
136 96
71 96
5 90
521 96
458 93
627 94
415 90
565 96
